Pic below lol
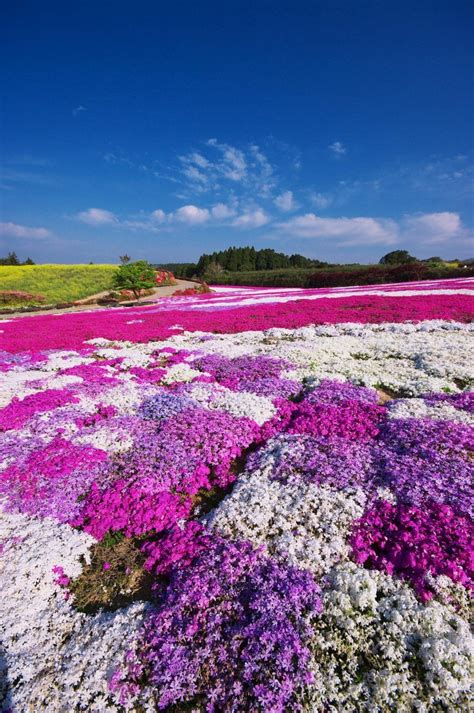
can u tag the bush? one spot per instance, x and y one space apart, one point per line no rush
16 297
200 289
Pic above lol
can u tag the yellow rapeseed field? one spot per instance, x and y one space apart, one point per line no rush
57 283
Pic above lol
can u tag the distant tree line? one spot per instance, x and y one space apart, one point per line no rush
12 259
248 259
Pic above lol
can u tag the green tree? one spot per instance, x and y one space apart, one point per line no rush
124 259
28 261
397 257
134 276
212 270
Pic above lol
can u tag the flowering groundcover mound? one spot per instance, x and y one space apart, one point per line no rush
271 511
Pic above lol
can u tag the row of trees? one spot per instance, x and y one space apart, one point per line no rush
12 259
249 259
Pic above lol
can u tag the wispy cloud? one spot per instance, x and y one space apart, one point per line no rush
78 110
320 200
222 168
286 202
337 148
96 216
14 230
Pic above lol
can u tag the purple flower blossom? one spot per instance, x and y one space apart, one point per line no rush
231 632
464 400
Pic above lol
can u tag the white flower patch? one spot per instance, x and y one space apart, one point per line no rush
58 360
258 408
409 359
34 617
377 648
127 396
180 372
90 656
305 525
17 384
417 408
56 659
133 355
106 438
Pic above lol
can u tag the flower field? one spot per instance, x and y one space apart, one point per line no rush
247 500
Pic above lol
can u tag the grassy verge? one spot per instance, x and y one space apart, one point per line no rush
57 283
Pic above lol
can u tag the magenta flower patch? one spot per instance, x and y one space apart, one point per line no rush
412 543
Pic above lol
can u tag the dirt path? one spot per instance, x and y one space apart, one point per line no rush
158 292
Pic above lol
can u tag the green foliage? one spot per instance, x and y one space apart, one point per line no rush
290 277
249 259
341 275
397 257
179 269
57 283
134 276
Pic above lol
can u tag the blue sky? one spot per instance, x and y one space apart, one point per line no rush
340 130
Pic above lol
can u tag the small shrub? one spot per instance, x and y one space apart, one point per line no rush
16 297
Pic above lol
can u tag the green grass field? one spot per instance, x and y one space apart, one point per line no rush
57 283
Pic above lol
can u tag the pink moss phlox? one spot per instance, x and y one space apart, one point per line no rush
49 481
350 419
19 411
103 413
178 547
150 375
61 579
411 543
93 373
129 508
70 331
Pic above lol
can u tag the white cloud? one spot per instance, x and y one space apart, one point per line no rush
348 231
221 211
320 200
199 159
97 216
262 174
221 167
193 174
14 230
192 215
77 110
412 230
251 219
159 216
434 227
337 148
233 164
285 202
